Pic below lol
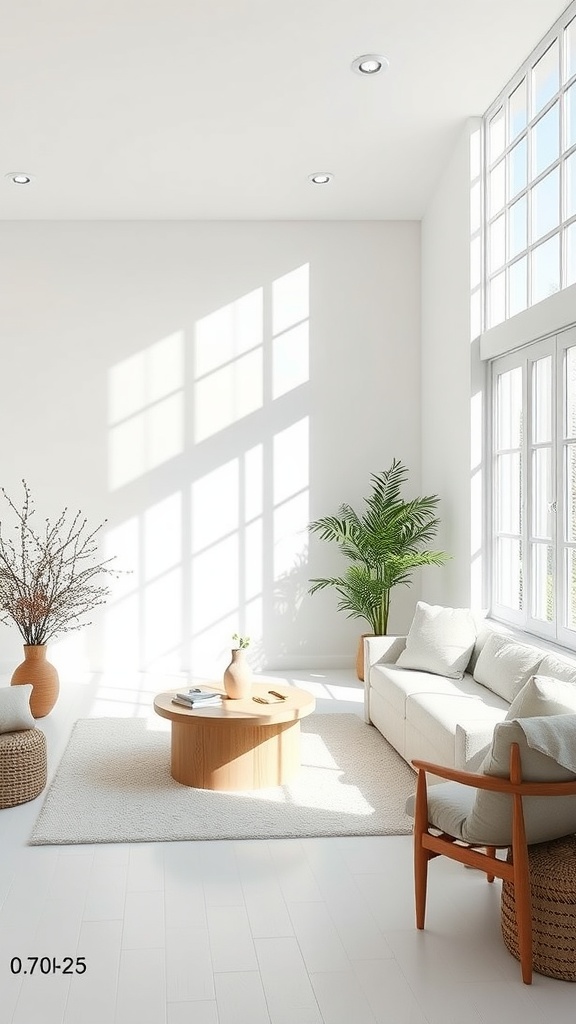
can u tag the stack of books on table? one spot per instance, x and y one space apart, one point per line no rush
196 698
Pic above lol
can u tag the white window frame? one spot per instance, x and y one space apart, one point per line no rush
560 164
555 346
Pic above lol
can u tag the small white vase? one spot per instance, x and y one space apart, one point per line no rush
238 675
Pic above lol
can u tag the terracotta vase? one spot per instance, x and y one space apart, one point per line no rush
43 676
360 657
238 675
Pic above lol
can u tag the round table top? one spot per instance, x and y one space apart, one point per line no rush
297 704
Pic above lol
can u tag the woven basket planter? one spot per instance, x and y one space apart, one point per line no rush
22 766
553 886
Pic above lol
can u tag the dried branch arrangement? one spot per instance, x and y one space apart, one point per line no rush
49 578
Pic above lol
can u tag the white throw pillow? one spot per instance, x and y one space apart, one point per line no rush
15 711
440 640
542 695
504 665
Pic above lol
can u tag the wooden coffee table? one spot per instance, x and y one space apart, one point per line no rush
238 744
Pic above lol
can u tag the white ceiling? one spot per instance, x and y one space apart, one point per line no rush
219 109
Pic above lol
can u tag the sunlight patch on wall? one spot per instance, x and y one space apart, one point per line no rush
291 299
211 556
146 410
228 365
290 330
291 496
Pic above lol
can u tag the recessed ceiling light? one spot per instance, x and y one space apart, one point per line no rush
320 177
19 177
370 64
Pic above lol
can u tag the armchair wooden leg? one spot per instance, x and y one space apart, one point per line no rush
421 856
522 892
420 880
490 852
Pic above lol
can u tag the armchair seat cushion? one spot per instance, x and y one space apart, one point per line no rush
449 807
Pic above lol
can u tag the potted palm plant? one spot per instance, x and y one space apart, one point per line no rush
384 546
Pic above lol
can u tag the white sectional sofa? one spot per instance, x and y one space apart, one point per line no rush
449 718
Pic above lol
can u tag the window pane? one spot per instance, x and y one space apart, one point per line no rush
496 135
518 286
545 141
497 248
570 261
507 481
508 573
542 400
571 590
545 205
517 169
570 186
570 374
542 582
542 493
497 188
497 299
545 78
571 492
517 230
517 111
546 269
570 117
509 409
570 42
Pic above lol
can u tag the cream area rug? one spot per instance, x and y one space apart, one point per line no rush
113 785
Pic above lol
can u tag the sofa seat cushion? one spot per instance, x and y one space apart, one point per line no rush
441 716
397 684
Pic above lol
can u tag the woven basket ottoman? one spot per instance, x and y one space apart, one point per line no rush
553 885
22 766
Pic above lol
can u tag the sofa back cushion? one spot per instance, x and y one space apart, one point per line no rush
504 665
558 668
440 640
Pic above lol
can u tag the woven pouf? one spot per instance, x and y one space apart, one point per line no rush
22 766
553 886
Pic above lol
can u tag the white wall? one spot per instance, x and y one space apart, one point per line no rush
176 379
452 379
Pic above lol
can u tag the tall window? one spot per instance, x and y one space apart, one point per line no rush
530 179
534 488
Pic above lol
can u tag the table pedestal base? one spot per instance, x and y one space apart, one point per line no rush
214 754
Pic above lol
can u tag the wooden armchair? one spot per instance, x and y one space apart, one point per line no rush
487 812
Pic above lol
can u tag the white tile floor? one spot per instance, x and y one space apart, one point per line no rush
279 932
